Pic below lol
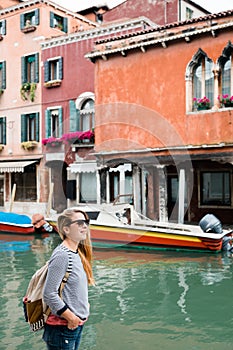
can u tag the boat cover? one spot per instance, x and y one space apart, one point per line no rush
14 218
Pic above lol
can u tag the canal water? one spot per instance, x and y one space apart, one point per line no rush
142 299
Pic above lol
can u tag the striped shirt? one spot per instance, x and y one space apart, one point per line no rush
75 292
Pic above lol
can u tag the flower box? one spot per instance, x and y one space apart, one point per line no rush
226 100
1 147
1 37
28 29
52 142
201 104
50 84
29 145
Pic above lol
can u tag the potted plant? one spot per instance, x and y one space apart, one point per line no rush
1 147
226 100
28 89
201 103
79 137
29 145
52 142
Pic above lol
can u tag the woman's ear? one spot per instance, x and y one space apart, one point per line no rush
66 230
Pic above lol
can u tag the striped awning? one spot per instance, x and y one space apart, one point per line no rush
85 167
14 167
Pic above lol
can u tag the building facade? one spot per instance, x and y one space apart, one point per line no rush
166 121
22 164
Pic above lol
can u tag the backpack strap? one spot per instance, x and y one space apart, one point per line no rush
68 271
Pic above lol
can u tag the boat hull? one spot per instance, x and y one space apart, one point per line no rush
120 236
16 229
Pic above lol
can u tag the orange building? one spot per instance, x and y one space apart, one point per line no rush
164 115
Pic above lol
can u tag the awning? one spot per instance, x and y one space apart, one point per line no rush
85 167
14 167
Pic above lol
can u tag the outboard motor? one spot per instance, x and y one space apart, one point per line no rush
209 223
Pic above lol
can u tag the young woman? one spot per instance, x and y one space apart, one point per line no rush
64 325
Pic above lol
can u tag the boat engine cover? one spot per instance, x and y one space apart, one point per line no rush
209 223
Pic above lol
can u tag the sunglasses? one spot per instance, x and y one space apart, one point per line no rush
80 222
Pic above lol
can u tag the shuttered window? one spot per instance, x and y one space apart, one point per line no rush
3 27
54 121
31 18
53 69
30 127
3 130
3 75
30 68
58 22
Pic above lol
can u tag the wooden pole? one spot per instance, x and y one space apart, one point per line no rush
12 197
50 199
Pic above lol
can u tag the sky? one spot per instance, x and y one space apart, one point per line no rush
215 6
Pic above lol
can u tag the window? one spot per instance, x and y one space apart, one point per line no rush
2 75
3 130
215 188
29 19
203 79
30 127
87 115
54 120
30 68
226 67
189 13
59 22
53 69
25 184
3 27
88 187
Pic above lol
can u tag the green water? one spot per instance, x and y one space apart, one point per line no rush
141 301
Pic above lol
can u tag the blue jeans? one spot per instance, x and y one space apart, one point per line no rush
62 338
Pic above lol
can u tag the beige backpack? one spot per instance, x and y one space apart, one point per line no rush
36 311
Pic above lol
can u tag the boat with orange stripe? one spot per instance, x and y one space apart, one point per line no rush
119 225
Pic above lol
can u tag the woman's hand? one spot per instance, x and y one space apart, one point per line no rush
73 320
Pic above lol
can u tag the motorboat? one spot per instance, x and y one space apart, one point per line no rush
119 225
15 223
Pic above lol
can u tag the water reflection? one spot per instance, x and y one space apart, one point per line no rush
142 299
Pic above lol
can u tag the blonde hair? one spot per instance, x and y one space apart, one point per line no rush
84 247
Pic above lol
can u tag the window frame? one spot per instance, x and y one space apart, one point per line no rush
213 204
47 69
55 17
3 130
27 77
48 122
2 27
23 18
3 75
26 133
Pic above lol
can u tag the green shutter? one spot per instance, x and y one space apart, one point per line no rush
37 17
3 125
73 116
23 70
46 71
4 75
21 21
65 25
60 121
37 126
61 68
23 127
36 68
47 123
3 27
51 19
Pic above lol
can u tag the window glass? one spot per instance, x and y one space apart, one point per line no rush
88 187
215 188
226 77
87 115
25 184
203 79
